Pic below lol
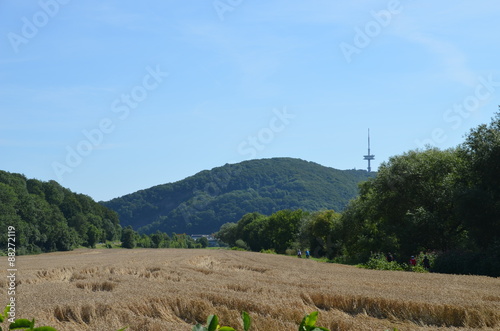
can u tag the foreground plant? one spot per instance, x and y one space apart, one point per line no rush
213 324
22 324
25 324
307 324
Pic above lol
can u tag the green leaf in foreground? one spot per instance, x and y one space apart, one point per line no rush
247 322
311 319
5 312
212 322
22 324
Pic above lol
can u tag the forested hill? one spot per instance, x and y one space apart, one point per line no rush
203 202
44 216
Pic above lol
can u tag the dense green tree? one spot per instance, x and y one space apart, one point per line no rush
203 241
282 229
65 238
324 234
228 233
159 240
144 241
129 238
48 217
93 236
408 207
479 194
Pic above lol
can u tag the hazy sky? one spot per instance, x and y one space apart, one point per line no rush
109 97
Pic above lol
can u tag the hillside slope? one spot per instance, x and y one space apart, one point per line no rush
203 202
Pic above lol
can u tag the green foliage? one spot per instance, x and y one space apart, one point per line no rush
25 324
22 324
247 321
48 217
213 324
228 233
268 251
204 202
257 232
323 233
486 262
479 193
309 323
241 244
282 229
129 238
445 201
378 261
203 241
238 249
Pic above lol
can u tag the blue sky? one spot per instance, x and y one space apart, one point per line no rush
111 97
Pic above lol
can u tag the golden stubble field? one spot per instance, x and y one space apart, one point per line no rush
172 289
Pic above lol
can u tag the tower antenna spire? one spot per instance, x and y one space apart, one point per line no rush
369 156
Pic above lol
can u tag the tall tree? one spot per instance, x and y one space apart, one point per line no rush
480 195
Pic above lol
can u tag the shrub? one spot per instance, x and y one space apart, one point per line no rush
268 251
469 262
238 249
241 244
378 261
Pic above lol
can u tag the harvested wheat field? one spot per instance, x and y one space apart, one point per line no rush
171 289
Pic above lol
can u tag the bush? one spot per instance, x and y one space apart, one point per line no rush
241 244
238 249
469 262
378 261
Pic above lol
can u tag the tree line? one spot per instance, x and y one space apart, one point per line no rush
132 239
444 201
48 217
203 202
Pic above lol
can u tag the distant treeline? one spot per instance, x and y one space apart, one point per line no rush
48 217
445 201
203 202
132 239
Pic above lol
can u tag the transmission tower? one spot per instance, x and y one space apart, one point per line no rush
369 157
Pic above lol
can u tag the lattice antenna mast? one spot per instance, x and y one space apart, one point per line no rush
369 157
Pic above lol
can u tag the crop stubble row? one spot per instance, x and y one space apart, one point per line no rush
172 289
